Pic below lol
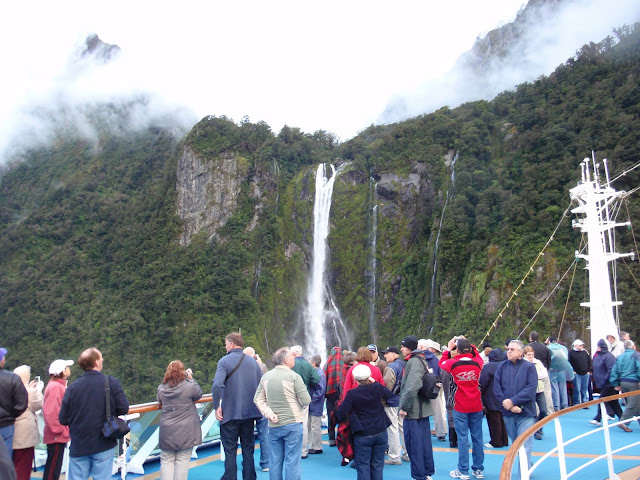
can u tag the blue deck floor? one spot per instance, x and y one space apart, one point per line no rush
327 466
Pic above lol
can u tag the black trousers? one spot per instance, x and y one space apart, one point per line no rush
55 454
332 399
497 429
229 433
613 407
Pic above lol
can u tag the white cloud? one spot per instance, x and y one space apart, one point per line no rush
329 65
546 45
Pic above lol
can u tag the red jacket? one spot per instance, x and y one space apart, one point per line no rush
350 382
465 369
54 432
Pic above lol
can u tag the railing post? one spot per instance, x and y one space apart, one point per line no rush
560 442
607 441
524 463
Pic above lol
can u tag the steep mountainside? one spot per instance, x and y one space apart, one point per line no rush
154 247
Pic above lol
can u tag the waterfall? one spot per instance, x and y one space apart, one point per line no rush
322 321
256 274
373 261
432 299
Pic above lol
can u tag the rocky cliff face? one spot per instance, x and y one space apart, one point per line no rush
208 190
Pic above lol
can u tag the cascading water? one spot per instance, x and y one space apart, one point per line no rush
373 331
432 299
323 322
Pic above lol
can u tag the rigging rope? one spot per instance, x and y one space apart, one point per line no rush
574 265
624 172
515 292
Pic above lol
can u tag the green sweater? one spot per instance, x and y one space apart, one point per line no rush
282 391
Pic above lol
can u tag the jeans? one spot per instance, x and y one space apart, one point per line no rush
6 433
369 452
174 464
98 465
229 433
559 394
395 433
285 449
417 438
580 388
516 425
262 426
469 423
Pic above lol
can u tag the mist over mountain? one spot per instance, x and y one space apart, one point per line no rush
88 82
543 35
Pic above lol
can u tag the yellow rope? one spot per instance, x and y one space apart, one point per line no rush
515 292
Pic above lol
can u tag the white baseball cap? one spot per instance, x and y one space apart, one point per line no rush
59 366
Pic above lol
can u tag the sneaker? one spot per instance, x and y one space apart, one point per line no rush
390 461
442 439
405 457
428 477
595 422
477 473
458 474
265 469
488 445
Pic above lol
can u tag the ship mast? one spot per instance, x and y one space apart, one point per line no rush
595 199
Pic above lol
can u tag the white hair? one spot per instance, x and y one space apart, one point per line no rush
297 350
423 343
24 372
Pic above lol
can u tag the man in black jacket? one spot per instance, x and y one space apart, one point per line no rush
13 401
84 409
580 360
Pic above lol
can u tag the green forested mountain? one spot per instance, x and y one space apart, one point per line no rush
108 243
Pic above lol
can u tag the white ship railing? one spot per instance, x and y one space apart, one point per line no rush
517 448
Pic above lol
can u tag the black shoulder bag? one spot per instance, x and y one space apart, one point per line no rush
114 427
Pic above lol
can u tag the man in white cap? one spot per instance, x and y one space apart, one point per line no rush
55 435
439 408
580 361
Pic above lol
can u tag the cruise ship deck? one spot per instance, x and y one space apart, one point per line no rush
625 456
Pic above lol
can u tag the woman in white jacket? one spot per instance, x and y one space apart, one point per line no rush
26 435
529 355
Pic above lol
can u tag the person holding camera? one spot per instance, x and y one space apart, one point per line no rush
180 423
467 408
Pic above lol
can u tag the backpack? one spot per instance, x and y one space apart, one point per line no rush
431 384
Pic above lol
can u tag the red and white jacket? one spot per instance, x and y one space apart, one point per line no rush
465 369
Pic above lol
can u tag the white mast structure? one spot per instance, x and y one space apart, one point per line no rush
595 199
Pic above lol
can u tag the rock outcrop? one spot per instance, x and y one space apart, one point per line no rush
208 190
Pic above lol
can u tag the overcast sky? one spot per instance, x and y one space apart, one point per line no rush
331 65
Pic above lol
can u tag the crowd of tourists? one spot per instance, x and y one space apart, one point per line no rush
382 407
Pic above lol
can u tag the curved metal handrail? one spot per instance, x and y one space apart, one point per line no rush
509 459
